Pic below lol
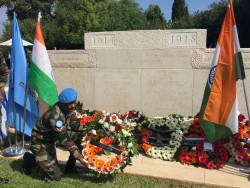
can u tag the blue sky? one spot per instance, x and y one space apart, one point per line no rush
165 6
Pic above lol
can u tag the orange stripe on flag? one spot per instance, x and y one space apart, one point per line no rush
223 91
232 12
38 34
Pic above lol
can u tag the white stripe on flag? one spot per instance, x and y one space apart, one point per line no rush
4 116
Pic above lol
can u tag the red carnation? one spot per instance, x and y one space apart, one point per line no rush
130 114
141 119
118 127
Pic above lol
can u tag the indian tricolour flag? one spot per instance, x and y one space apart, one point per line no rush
219 109
41 75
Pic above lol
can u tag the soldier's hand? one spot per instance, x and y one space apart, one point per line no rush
83 162
73 117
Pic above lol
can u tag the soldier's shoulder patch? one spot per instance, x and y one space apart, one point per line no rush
59 123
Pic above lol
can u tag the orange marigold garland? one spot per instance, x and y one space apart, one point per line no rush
91 152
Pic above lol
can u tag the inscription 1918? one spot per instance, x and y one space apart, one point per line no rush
183 39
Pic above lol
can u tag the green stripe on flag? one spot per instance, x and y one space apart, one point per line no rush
214 131
240 71
44 86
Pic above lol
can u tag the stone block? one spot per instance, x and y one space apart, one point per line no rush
146 39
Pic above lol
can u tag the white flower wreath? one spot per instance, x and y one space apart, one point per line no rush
175 123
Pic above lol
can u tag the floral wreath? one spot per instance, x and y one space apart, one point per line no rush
238 145
174 124
212 162
113 129
91 152
207 159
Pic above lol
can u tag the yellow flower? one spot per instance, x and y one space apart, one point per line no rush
124 132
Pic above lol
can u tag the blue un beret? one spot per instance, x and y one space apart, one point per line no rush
67 95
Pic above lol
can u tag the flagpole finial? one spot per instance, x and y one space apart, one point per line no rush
39 16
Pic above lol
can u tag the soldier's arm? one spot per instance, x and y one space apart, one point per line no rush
73 123
3 72
75 126
64 139
59 127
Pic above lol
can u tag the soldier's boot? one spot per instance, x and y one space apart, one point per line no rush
72 168
49 172
29 162
71 165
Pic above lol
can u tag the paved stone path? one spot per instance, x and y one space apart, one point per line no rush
229 176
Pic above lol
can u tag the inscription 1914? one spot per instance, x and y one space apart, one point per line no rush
103 41
183 39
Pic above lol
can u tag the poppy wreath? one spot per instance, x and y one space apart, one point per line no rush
195 128
238 143
207 159
212 160
168 132
187 157
109 146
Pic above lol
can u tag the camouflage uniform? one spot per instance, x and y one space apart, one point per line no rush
74 131
46 134
3 80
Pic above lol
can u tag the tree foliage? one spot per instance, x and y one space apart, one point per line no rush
27 9
180 16
155 18
242 17
211 20
65 22
78 17
73 18
125 15
179 10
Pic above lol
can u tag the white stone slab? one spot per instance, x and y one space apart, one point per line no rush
117 90
166 92
83 80
144 58
199 84
72 58
244 94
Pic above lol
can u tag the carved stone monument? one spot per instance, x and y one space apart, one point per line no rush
158 72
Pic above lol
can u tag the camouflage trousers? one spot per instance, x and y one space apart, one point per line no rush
1 139
45 155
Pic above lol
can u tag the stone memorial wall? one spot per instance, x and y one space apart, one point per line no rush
158 72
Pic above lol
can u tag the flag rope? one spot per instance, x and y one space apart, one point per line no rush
244 88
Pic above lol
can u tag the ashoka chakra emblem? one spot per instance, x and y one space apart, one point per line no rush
211 74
